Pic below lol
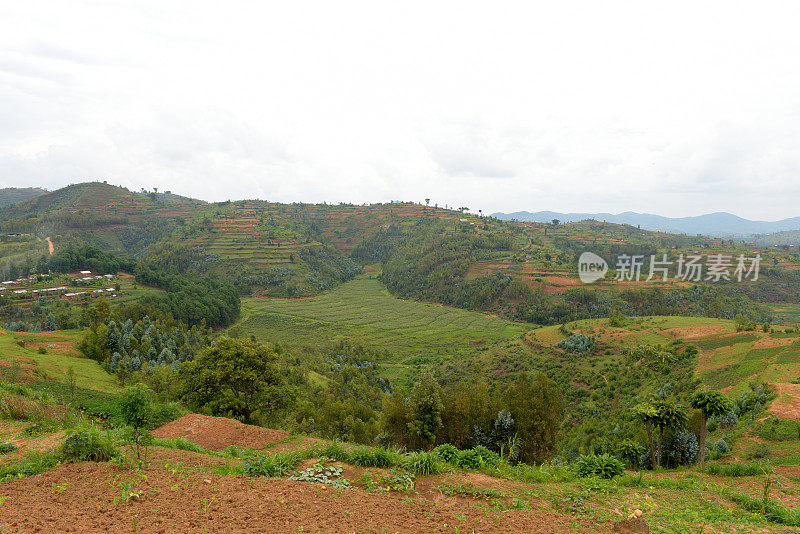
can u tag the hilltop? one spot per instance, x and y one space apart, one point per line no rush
12 195
718 224
426 252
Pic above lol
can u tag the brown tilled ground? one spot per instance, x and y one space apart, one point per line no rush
787 405
691 332
88 497
216 433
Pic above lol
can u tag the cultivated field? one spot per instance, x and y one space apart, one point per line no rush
363 312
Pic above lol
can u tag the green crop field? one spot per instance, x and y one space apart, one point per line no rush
363 312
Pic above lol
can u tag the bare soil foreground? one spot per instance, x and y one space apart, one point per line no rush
91 497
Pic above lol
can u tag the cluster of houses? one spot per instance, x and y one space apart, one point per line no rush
82 276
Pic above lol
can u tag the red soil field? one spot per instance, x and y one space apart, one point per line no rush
89 497
216 433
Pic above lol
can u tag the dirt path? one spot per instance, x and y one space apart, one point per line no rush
49 245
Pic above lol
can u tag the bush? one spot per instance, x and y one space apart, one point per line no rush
422 463
683 448
727 420
477 458
602 466
6 448
86 444
577 344
447 453
280 464
630 451
721 448
757 452
377 457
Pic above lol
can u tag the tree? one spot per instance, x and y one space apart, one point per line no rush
394 417
425 409
668 415
556 222
236 378
466 405
537 408
647 413
710 404
656 359
137 412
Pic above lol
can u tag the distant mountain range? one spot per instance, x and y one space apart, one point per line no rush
713 224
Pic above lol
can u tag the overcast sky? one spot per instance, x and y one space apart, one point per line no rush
674 108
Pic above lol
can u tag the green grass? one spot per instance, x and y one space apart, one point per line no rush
88 373
361 311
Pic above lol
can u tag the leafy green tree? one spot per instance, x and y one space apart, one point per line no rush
630 451
395 417
136 410
710 404
537 408
669 415
235 378
647 413
656 359
426 409
466 405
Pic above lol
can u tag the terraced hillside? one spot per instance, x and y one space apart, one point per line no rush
363 312
297 249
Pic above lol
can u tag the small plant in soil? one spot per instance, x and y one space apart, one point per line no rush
137 410
322 473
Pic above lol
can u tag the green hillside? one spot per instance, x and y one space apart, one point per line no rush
12 195
363 312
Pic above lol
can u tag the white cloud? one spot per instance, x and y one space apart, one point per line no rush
677 109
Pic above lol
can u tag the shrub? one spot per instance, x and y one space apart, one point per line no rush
577 344
86 444
683 448
377 457
630 451
5 448
477 458
601 466
264 465
757 452
447 453
422 463
721 448
727 420
136 411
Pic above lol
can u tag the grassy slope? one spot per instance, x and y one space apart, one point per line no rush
363 312
88 373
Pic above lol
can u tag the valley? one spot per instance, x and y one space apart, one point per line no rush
295 365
